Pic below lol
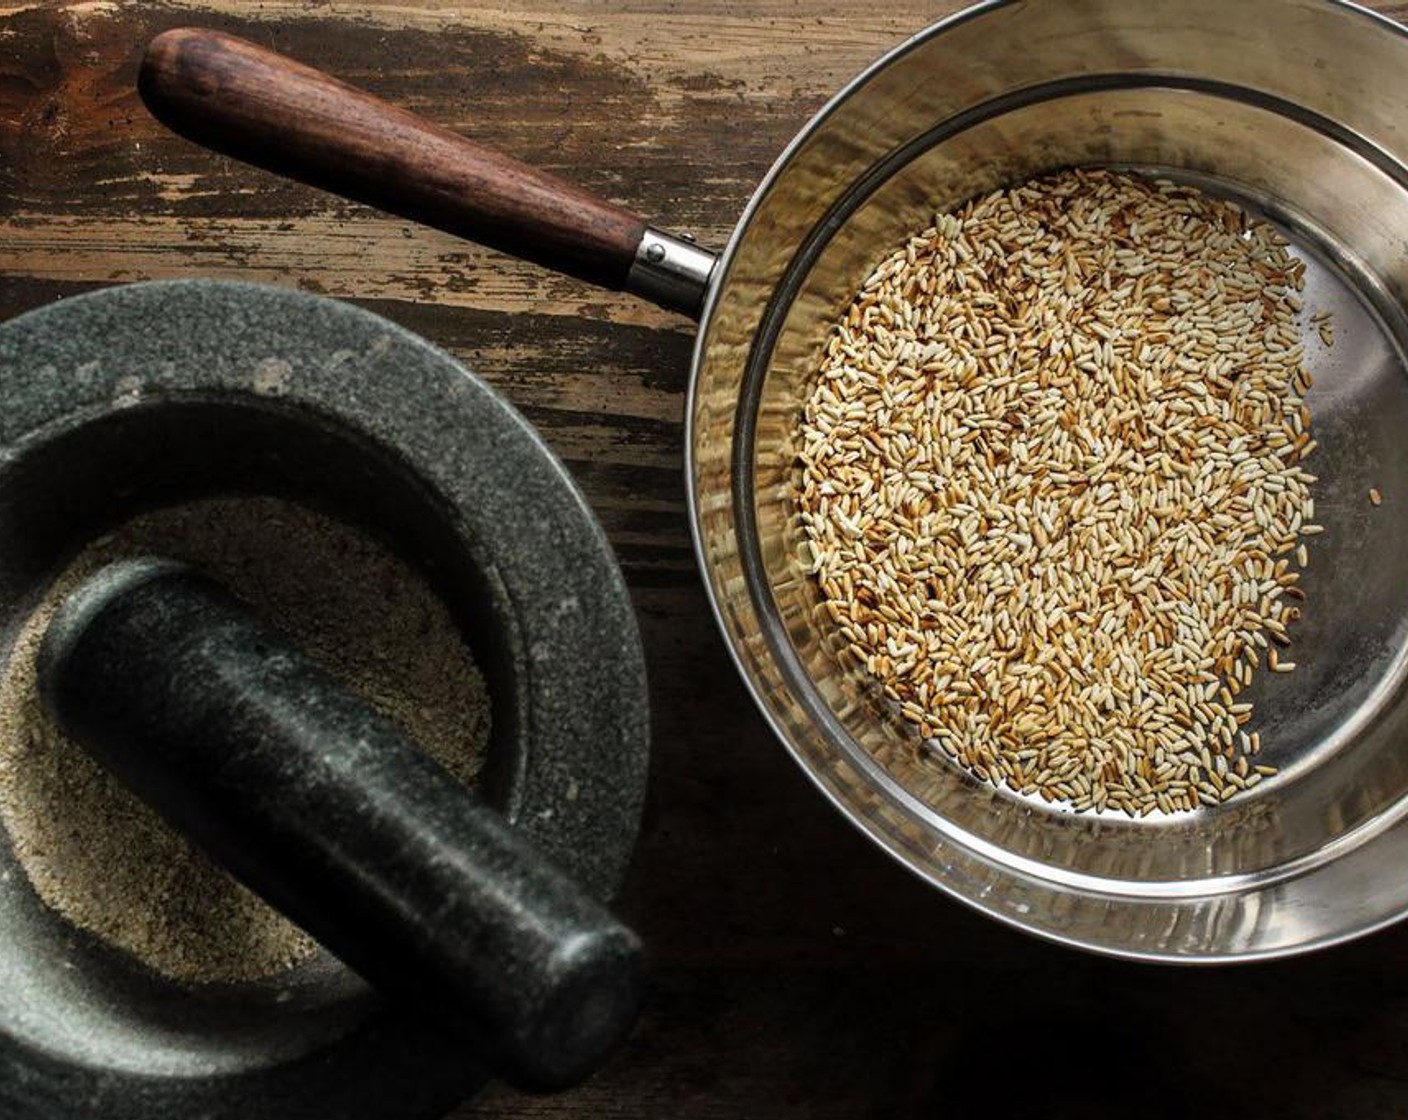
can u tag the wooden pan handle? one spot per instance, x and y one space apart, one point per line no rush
260 107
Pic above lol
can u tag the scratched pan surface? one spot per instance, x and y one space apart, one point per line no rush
1291 107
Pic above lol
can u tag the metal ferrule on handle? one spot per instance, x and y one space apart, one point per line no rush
671 271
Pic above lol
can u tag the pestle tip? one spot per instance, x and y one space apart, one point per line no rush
595 985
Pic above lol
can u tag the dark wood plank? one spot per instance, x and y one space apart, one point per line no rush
798 972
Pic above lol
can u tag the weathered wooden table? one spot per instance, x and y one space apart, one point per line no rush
797 971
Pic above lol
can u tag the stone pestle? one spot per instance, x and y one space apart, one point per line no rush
330 813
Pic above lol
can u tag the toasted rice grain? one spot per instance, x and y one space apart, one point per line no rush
1051 483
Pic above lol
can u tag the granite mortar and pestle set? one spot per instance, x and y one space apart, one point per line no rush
465 932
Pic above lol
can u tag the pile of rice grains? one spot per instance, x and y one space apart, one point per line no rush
1053 486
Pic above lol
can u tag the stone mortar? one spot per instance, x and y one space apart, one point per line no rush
144 395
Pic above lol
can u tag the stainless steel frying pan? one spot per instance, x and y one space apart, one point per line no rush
1297 108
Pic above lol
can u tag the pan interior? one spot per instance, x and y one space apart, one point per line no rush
1335 726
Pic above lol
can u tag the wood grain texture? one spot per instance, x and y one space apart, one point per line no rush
798 972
